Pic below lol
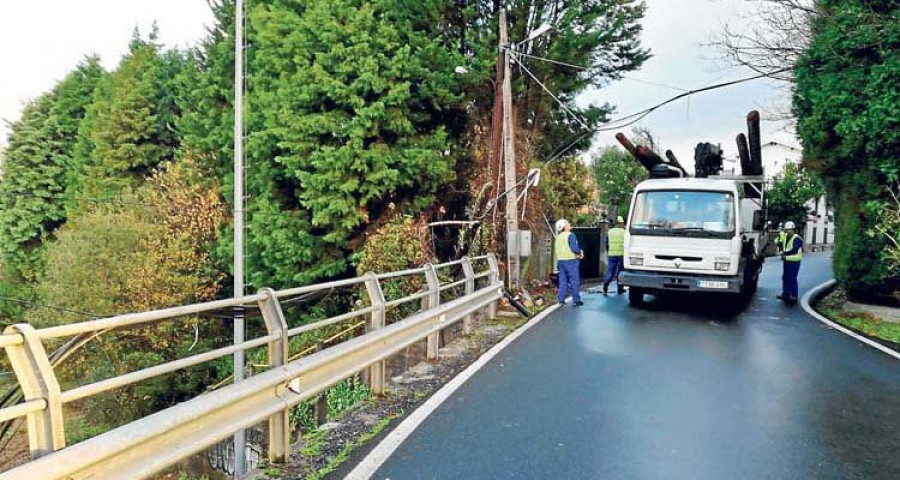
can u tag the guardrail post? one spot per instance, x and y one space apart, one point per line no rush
376 321
432 301
29 361
469 272
279 424
320 410
494 280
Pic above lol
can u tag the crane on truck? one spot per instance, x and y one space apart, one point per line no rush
704 233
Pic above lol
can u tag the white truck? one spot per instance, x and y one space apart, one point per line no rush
687 235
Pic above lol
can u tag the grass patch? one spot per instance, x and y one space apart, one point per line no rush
344 454
78 429
312 444
832 307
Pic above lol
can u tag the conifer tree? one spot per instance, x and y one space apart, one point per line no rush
35 178
131 126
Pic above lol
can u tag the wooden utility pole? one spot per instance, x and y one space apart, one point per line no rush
509 163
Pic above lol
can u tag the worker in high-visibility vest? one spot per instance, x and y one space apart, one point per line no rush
568 256
791 255
782 237
615 253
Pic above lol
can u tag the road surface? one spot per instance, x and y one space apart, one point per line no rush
674 390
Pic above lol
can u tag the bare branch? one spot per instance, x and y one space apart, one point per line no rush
772 37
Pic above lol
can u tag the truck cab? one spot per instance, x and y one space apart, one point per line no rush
691 235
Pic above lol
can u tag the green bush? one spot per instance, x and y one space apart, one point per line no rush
790 191
846 98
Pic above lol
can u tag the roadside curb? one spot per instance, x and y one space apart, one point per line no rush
376 458
815 293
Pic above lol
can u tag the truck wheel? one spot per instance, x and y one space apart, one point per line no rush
635 296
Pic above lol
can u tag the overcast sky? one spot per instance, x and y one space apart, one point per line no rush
42 40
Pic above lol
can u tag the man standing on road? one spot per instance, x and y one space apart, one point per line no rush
782 237
615 248
791 255
567 262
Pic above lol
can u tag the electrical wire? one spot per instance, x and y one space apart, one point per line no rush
581 67
627 121
544 87
50 307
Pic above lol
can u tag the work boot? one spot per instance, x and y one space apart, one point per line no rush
605 288
579 303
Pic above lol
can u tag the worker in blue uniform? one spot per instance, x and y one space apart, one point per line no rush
791 255
568 256
615 253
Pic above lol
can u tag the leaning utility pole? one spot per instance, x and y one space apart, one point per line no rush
509 162
239 440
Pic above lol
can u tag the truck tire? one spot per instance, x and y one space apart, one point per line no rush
635 296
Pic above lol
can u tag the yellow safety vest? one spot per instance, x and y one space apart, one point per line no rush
563 252
789 244
616 242
781 239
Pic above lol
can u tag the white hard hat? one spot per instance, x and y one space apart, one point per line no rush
619 219
561 224
789 225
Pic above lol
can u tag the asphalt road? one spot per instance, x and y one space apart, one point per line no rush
674 390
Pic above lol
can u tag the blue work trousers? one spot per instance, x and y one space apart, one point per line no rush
613 267
569 280
789 287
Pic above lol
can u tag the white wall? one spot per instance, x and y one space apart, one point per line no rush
820 223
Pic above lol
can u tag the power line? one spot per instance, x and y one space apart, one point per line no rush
632 119
581 67
50 307
544 87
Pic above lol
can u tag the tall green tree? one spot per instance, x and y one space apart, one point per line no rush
348 99
35 180
789 193
616 173
131 126
602 35
353 106
846 102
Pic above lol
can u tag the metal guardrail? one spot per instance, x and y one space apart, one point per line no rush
149 444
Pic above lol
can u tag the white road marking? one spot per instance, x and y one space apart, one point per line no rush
804 302
376 458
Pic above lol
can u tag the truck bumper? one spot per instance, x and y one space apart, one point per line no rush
680 282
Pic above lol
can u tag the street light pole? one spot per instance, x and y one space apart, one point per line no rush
239 438
509 162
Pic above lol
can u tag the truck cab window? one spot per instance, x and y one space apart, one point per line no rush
689 213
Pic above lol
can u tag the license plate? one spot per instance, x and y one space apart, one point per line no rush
711 284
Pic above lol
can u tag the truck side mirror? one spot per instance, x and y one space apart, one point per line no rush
759 220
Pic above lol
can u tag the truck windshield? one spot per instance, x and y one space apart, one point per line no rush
683 212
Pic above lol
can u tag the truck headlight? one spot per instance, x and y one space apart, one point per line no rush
637 261
722 264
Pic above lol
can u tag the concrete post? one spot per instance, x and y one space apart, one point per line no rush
469 272
376 321
38 382
279 424
494 280
432 301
